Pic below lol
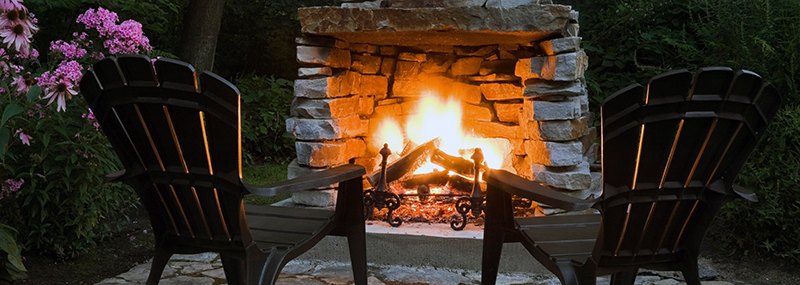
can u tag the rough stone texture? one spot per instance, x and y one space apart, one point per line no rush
466 66
561 45
366 64
492 129
523 70
539 88
320 41
326 154
140 272
477 51
575 178
366 105
406 88
508 112
200 257
561 130
413 3
468 92
374 85
507 4
522 166
332 129
501 91
316 198
434 48
187 280
333 57
546 110
400 108
474 112
388 65
407 70
438 63
363 48
472 25
562 67
324 108
307 72
410 56
554 153
589 138
327 87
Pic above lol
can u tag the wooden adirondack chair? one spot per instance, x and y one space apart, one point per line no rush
180 143
670 155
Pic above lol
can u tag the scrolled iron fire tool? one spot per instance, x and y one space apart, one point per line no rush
380 197
474 203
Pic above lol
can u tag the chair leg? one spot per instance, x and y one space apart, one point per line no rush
235 269
626 277
492 249
690 272
160 260
358 253
266 272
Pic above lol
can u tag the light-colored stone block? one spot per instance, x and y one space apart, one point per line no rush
561 45
295 170
325 108
308 72
330 129
327 154
469 93
501 91
560 130
316 198
554 153
315 55
561 67
339 85
321 41
539 88
507 4
366 64
546 110
574 178
466 66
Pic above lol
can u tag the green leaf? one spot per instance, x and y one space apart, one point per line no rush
5 135
34 93
11 110
9 245
46 139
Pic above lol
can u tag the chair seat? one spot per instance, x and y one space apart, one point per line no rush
283 226
562 237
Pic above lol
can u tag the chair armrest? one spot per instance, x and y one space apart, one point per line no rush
522 187
745 193
114 176
311 181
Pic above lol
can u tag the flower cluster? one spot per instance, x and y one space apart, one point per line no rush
11 185
17 26
127 37
59 85
90 117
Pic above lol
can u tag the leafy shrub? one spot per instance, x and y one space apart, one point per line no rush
630 41
266 102
52 156
11 267
772 224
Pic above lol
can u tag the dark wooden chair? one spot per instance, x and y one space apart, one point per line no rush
179 141
671 153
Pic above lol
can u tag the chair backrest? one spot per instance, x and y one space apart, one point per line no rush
670 155
178 140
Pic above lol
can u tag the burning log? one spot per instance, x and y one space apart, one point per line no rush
456 164
438 178
406 164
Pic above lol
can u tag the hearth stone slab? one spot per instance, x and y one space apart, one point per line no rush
470 25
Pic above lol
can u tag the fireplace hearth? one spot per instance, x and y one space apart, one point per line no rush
504 76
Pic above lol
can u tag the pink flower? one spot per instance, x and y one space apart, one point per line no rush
61 91
127 37
102 20
25 138
69 50
59 85
6 5
24 83
18 36
14 17
11 186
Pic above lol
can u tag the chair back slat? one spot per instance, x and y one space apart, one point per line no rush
181 143
667 158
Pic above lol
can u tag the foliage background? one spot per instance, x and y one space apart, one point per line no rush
630 41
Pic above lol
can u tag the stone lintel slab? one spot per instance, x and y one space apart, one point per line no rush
469 25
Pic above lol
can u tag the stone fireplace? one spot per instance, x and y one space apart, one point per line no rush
513 69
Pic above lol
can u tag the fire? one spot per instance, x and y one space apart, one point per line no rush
439 116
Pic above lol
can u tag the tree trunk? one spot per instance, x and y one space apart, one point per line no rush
200 33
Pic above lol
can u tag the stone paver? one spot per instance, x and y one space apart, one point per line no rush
206 269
